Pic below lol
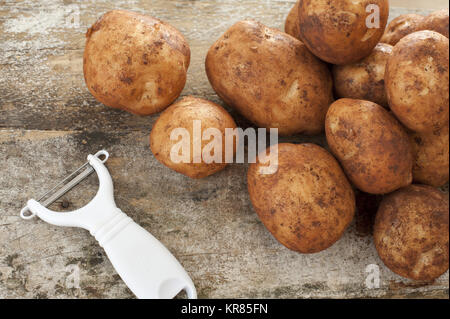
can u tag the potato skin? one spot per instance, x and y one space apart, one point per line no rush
364 80
135 62
411 232
400 27
270 78
336 31
416 81
181 115
292 24
437 21
371 145
308 203
431 152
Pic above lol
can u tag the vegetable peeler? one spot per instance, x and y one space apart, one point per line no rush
144 264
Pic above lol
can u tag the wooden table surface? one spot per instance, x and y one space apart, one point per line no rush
49 123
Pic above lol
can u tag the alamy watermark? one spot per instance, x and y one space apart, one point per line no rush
221 147
373 19
373 276
72 16
73 277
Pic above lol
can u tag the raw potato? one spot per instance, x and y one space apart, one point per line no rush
337 31
431 152
400 27
436 21
416 81
372 146
270 78
292 25
308 203
364 80
411 232
182 115
135 62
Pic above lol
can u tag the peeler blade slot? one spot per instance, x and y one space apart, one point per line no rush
50 198
66 184
62 182
71 181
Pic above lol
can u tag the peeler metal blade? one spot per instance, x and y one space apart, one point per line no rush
65 185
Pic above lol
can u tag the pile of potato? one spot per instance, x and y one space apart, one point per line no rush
387 129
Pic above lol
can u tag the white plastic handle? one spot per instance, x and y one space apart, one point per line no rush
144 264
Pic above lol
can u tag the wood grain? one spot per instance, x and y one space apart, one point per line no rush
49 123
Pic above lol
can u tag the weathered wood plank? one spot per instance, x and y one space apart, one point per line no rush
41 79
49 123
208 224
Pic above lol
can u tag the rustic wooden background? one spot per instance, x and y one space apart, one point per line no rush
49 123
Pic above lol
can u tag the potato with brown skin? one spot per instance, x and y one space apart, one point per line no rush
437 21
292 24
431 152
337 31
182 114
371 145
135 62
411 232
400 27
364 80
416 81
308 203
270 78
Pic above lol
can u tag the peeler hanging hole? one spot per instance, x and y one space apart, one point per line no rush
25 213
181 295
102 156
